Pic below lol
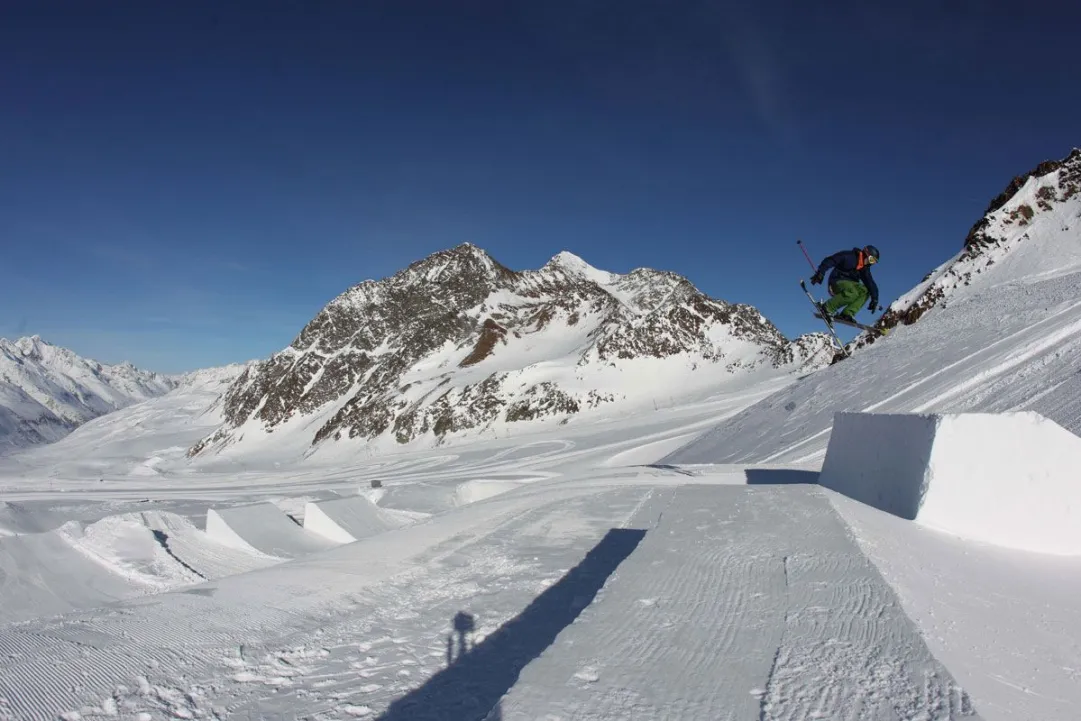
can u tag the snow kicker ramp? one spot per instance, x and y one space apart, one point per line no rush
344 520
264 528
1009 479
43 574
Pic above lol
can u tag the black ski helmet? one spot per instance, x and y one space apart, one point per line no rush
871 251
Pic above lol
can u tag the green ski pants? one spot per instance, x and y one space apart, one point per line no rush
848 294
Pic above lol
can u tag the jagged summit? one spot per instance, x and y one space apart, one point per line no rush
457 342
570 263
27 345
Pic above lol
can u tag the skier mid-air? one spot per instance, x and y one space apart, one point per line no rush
850 283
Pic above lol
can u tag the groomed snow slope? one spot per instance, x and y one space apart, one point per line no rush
1009 479
349 631
362 628
1012 347
1003 335
778 649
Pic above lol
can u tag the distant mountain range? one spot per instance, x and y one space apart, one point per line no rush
459 345
46 391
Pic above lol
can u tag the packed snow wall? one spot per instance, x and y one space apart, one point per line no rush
264 528
1011 479
344 520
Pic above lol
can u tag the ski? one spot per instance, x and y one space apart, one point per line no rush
852 323
829 323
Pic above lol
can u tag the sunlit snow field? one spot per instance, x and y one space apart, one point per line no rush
670 560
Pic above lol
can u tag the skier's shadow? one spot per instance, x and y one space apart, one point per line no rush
477 676
778 476
464 625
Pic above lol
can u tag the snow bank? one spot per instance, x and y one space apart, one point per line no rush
126 546
264 528
1008 479
42 574
344 520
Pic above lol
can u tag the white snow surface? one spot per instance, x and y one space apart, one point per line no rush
1002 478
1022 249
262 528
349 519
1011 347
748 596
46 390
680 561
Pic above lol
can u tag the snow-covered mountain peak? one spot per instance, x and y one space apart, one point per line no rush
33 349
47 390
30 344
570 263
458 342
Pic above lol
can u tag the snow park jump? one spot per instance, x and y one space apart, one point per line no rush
264 528
1008 479
345 520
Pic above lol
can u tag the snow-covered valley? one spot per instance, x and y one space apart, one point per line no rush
753 591
675 561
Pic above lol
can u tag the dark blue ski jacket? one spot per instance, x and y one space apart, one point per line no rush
847 266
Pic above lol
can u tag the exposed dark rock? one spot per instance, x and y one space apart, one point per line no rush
357 361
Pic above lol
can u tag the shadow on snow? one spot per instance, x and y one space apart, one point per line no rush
754 476
779 476
478 676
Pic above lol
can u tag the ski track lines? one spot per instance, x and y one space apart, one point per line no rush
740 603
193 652
1007 353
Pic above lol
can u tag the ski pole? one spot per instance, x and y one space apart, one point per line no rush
806 255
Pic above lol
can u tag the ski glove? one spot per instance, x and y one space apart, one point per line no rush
874 307
816 278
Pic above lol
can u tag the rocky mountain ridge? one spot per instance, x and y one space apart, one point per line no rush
458 342
1039 207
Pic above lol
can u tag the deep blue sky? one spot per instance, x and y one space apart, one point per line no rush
185 184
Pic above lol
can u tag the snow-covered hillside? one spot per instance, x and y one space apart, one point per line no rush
46 390
457 345
999 329
143 439
217 379
1029 231
693 562
564 575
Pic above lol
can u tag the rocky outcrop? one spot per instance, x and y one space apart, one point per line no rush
458 341
1027 198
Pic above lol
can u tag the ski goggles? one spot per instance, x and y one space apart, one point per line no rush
871 260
